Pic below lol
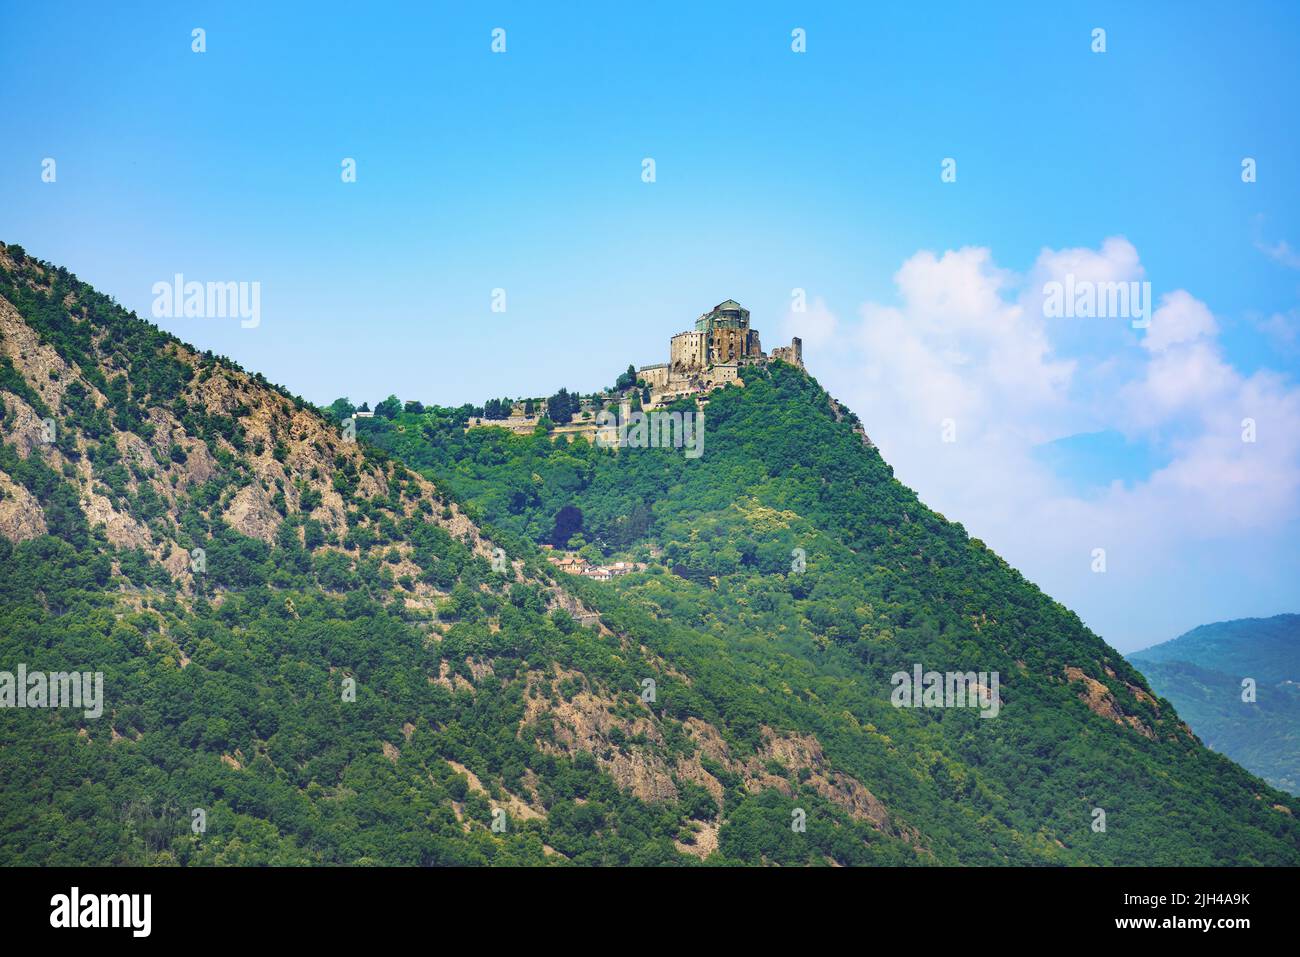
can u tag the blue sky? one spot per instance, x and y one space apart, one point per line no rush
775 171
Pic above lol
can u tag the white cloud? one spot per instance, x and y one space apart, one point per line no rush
968 341
1116 261
1282 329
1280 252
1180 318
957 348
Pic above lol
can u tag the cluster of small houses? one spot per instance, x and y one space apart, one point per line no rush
575 564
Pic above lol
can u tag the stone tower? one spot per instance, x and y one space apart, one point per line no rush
728 340
793 353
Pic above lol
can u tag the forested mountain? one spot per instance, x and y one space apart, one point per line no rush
356 652
1202 673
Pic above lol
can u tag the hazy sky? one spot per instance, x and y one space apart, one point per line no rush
775 171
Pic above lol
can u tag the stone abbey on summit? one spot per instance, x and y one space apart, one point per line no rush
699 360
711 354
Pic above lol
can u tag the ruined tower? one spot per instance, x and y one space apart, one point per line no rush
793 353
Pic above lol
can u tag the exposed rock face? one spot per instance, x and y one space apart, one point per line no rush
704 840
589 722
838 411
514 805
23 427
42 367
804 752
450 681
250 512
21 517
199 465
1101 702
573 607
795 752
122 530
177 562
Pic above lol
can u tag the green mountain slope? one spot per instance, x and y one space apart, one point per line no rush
888 584
1201 672
375 663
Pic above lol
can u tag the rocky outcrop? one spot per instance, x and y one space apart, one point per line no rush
251 513
1102 702
591 722
586 722
21 517
42 367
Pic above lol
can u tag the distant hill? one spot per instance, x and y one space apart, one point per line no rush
1201 673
